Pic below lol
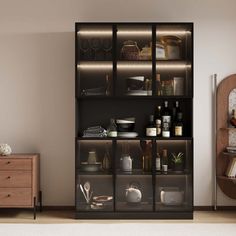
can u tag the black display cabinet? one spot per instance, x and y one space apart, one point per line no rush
127 70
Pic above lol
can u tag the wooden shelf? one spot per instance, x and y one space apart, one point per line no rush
228 128
233 180
229 154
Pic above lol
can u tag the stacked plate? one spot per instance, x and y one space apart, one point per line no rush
125 128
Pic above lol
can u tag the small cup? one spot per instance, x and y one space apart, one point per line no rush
165 168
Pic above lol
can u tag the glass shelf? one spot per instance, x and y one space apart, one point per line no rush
133 172
136 138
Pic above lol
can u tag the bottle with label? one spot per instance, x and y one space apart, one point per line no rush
178 125
175 113
158 162
158 121
112 129
233 118
158 84
166 121
164 160
151 130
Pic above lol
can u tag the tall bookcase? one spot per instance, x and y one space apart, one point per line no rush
105 59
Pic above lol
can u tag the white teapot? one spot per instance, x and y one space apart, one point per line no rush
133 194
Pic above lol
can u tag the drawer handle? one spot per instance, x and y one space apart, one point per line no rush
8 195
8 162
8 177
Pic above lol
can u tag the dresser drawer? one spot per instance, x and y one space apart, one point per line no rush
15 164
15 197
15 179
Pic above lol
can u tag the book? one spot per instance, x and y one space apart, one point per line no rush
231 169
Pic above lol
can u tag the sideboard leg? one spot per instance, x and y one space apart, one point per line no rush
40 201
35 206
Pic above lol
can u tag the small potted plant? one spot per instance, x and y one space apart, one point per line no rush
178 161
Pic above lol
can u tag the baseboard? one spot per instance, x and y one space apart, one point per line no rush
211 208
196 208
58 208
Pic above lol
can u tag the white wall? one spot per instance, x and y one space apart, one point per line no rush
37 78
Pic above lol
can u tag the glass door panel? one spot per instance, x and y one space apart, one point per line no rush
177 155
94 193
95 42
95 157
134 59
174 60
134 157
173 193
95 60
134 193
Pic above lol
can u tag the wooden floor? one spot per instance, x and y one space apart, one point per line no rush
50 217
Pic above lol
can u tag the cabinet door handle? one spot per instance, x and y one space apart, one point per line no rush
8 195
8 177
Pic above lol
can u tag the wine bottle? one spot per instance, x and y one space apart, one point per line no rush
178 125
147 157
164 160
158 162
175 110
158 121
166 121
177 117
151 130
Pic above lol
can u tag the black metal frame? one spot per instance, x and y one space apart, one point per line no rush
133 215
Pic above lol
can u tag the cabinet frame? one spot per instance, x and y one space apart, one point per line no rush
115 97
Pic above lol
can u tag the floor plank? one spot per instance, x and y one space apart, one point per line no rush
60 216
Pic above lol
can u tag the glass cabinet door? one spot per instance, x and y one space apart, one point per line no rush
94 186
173 60
134 59
94 193
94 59
174 179
134 189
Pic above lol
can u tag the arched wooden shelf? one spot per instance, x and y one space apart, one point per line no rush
227 185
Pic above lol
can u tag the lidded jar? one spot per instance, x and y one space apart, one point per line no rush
172 46
130 50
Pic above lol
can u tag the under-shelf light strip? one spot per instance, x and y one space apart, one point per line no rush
173 66
133 66
95 33
134 32
172 32
95 66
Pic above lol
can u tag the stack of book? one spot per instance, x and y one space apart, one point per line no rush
231 170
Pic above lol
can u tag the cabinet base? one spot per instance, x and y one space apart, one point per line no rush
134 215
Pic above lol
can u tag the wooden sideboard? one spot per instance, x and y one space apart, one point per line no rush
20 182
